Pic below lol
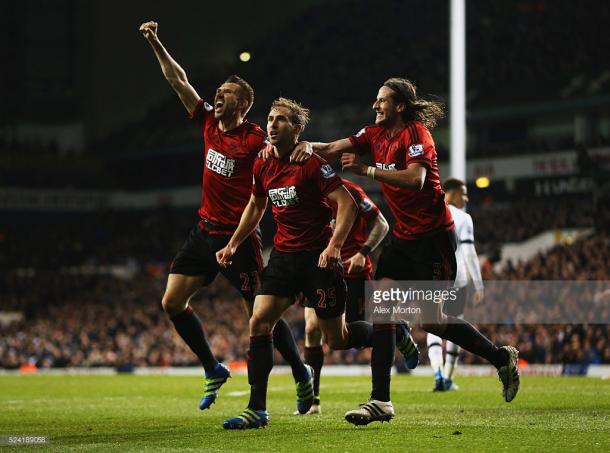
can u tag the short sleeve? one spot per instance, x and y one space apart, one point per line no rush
257 139
420 146
257 184
366 207
325 175
362 141
201 111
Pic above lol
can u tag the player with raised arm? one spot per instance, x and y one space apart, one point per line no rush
423 241
468 268
306 256
231 144
367 233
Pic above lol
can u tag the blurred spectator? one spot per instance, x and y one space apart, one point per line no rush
80 311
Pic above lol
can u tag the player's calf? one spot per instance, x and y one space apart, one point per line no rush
406 345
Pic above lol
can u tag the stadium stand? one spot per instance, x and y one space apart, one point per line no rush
110 266
94 299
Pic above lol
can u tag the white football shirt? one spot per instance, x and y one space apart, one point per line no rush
465 233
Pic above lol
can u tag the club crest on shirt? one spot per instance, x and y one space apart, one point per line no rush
416 150
219 163
327 171
284 196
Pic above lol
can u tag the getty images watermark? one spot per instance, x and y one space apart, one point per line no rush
407 301
504 302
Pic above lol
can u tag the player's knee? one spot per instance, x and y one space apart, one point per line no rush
334 342
173 305
313 339
312 333
259 325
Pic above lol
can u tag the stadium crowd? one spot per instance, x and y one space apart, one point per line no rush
583 260
500 223
522 74
80 311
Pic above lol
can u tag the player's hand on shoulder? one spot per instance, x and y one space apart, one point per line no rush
351 162
149 30
267 152
301 153
224 255
356 263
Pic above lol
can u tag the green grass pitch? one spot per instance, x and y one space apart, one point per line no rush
136 413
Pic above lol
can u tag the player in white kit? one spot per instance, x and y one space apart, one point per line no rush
456 196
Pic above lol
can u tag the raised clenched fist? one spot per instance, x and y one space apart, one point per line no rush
149 30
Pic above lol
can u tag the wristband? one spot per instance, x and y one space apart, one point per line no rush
365 250
370 172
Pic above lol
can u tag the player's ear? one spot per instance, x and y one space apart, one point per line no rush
298 128
400 107
243 105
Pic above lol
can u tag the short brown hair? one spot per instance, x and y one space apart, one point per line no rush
298 113
247 92
453 184
425 111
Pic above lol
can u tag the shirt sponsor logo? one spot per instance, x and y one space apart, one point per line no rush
219 163
366 205
284 196
327 171
385 166
416 150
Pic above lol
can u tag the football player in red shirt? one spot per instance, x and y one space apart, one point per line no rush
423 242
367 233
231 146
306 256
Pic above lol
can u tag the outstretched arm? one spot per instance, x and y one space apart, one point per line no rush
412 177
172 71
303 151
250 218
333 150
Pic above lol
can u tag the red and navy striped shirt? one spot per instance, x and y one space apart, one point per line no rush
418 213
228 158
298 198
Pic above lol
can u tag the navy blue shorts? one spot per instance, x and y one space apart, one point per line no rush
427 259
293 274
197 256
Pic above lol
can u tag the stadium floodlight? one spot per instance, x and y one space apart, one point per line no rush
245 57
482 182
